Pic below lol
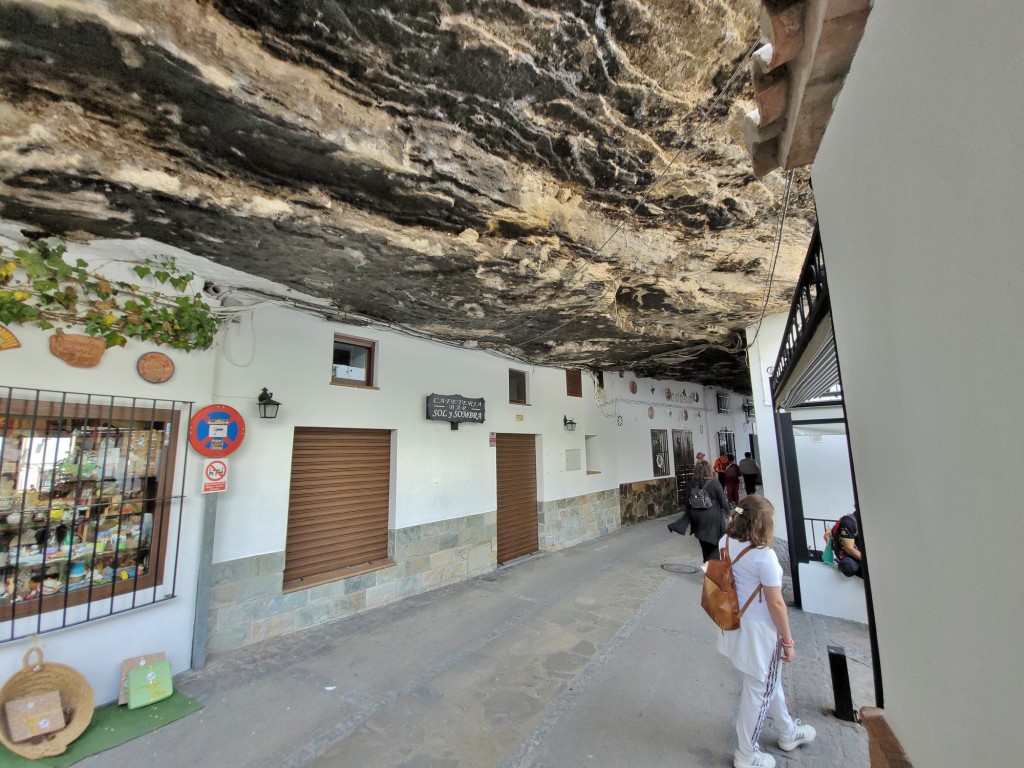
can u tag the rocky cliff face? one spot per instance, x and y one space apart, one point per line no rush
561 180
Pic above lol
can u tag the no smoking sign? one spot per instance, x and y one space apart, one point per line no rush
215 475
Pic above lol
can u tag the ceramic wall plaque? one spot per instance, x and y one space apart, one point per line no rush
76 349
155 367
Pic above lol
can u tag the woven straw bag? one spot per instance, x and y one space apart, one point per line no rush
76 698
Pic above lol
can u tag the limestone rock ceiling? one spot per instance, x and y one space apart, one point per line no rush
560 180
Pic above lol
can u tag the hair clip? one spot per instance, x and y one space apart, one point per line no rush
738 510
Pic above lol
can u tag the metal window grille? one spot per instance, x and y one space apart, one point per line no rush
724 403
726 441
89 524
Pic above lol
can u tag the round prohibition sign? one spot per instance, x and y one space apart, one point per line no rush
216 431
216 471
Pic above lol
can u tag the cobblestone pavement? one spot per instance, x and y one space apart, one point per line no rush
594 656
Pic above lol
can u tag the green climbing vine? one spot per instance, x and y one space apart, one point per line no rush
38 287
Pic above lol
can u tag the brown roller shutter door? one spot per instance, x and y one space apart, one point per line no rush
338 505
517 496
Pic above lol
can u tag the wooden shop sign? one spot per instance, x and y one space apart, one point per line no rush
455 409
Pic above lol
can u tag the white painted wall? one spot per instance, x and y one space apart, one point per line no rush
826 486
763 351
672 405
440 473
919 183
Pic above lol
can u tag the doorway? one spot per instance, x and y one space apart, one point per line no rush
517 496
682 451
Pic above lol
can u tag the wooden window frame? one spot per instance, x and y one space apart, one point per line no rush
161 510
513 372
574 383
371 362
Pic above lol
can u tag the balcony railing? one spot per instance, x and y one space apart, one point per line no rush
809 307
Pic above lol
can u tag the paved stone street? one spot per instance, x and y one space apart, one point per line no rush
593 656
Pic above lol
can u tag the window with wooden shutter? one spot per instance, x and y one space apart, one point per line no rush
338 505
517 387
574 383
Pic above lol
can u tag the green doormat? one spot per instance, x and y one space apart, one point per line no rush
110 726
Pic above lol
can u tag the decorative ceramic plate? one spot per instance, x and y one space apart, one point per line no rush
155 367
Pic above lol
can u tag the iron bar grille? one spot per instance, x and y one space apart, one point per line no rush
726 441
90 525
810 303
815 529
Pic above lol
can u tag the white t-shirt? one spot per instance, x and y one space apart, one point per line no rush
759 566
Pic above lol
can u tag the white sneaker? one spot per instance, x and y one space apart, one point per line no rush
756 760
802 734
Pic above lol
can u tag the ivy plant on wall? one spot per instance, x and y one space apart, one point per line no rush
38 287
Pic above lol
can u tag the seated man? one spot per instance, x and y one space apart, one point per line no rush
846 543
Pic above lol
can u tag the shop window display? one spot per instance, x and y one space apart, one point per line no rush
85 499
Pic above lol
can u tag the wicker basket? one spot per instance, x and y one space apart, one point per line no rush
76 697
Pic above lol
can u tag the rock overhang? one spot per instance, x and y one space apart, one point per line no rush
564 182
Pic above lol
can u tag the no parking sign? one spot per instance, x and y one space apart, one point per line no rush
216 431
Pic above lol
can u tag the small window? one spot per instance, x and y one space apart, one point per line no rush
724 403
574 383
353 361
517 387
726 442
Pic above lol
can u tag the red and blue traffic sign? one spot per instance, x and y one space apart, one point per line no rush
216 431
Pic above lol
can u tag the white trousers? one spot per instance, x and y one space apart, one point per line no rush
761 699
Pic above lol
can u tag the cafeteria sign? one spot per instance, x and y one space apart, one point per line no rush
455 409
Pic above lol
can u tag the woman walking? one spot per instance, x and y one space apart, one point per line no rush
708 524
764 637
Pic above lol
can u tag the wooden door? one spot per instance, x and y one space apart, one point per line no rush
682 449
517 496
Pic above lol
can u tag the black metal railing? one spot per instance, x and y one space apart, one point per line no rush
815 529
89 521
809 307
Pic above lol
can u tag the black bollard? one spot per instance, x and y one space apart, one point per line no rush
841 683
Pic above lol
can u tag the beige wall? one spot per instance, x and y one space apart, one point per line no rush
919 186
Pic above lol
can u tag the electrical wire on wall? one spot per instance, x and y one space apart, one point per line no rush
775 258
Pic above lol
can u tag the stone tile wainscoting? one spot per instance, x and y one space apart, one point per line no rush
648 498
247 604
573 520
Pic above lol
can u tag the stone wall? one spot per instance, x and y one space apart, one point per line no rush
573 520
647 498
247 604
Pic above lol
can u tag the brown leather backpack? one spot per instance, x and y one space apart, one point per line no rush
719 599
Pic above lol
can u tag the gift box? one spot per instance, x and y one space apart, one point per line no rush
136 662
34 716
149 684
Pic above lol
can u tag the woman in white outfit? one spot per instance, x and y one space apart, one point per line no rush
763 639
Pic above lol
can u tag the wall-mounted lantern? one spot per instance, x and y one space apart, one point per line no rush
570 425
267 404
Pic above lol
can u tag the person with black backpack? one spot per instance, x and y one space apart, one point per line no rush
708 510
